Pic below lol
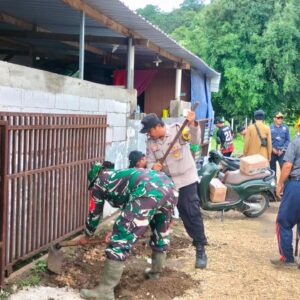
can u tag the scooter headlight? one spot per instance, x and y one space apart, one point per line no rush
273 183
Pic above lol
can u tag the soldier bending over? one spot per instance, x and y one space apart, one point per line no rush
146 197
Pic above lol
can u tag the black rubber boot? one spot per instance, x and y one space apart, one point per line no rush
111 275
201 257
158 262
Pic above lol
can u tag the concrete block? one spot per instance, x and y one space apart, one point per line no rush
37 110
67 102
5 76
114 119
11 108
109 134
104 106
88 104
119 134
10 96
38 99
117 152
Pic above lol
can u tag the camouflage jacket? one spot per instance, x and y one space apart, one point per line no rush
122 186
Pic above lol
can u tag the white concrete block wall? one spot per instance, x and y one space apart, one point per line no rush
119 134
14 96
117 118
67 102
24 89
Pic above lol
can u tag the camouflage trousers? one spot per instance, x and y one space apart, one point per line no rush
133 221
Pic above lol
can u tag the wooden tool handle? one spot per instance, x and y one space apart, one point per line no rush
91 241
297 243
162 160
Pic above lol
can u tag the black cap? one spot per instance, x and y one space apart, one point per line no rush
241 128
259 114
219 120
134 157
150 121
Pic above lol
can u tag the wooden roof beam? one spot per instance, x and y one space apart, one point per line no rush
98 16
65 37
112 24
5 18
29 26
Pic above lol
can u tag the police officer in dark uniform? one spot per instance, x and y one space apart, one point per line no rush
289 210
280 140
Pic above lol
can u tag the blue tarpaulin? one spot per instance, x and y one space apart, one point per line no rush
200 91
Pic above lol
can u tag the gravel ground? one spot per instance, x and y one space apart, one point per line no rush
239 264
46 293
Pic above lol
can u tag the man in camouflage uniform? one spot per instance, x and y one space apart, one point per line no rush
146 197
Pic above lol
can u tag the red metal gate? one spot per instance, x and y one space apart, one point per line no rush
43 165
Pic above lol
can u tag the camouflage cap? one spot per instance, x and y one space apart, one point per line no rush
96 168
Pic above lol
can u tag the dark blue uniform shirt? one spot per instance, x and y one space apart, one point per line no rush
280 136
292 155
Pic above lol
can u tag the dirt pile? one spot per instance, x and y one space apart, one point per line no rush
83 265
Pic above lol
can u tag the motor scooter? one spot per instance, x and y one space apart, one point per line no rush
248 194
232 164
229 163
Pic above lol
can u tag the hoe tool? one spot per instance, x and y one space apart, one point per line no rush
55 255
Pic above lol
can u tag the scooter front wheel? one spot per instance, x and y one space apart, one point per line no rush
256 205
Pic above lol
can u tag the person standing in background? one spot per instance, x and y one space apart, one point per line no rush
224 137
242 130
289 209
280 140
137 159
258 137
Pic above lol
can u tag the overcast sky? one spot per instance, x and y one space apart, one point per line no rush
163 4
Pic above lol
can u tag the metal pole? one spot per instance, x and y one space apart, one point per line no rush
178 84
232 122
130 64
82 46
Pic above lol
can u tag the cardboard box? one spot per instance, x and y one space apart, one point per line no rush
217 190
177 108
253 164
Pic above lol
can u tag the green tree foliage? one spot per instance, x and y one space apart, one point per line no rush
254 44
168 22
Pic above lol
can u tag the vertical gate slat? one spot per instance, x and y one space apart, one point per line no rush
43 182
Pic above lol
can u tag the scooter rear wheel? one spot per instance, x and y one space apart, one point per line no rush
258 204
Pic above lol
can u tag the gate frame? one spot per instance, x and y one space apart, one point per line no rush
3 196
5 128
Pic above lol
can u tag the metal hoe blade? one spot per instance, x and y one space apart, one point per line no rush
55 260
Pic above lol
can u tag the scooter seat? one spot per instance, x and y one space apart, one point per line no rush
236 177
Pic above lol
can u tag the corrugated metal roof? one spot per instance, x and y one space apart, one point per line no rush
118 11
56 16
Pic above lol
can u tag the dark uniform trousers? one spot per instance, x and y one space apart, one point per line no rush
288 217
189 211
274 159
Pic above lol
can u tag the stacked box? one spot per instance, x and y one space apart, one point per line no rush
177 108
253 164
217 190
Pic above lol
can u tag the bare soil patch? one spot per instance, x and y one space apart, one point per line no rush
83 265
239 265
